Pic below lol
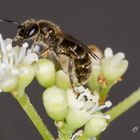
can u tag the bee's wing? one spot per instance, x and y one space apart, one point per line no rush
72 39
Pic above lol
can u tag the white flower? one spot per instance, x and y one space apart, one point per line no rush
113 66
11 59
82 107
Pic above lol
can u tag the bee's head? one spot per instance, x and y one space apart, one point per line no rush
28 30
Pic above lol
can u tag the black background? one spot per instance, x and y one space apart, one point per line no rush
113 23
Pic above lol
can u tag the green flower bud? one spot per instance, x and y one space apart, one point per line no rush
113 66
26 76
62 80
45 73
54 100
76 118
9 84
95 125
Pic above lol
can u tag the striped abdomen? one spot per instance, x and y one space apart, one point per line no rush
68 49
82 67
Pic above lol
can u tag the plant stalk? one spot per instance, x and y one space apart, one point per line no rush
26 105
122 107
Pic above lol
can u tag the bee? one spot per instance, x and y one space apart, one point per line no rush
73 56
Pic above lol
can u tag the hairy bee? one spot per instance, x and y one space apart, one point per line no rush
73 56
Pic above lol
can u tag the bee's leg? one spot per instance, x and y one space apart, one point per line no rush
44 53
70 73
70 69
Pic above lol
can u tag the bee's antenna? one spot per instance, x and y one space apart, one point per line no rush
10 21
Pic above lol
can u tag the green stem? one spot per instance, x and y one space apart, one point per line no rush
26 105
122 107
104 92
83 137
63 136
64 132
98 137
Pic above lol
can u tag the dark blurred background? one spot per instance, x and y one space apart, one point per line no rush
113 23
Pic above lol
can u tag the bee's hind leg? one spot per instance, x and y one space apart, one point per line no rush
74 85
70 68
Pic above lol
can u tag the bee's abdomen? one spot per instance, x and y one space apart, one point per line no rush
83 68
80 57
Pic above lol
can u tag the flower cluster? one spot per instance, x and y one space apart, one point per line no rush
15 65
62 104
76 110
107 72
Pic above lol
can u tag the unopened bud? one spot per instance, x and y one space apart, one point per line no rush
54 100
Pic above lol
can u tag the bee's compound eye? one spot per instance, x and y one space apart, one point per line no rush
31 32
